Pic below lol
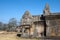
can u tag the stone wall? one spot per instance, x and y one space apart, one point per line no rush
53 28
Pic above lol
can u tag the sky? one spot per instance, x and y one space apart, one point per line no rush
16 8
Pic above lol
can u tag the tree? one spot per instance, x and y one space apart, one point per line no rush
5 26
12 24
1 25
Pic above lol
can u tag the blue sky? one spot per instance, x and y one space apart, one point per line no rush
16 8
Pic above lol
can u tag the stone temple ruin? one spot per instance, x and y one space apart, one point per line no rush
32 25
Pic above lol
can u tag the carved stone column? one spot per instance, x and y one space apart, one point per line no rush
48 29
23 31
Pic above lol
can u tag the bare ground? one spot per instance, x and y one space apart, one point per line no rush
11 36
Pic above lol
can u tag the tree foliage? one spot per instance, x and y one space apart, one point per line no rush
12 24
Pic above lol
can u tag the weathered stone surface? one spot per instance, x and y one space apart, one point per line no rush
35 24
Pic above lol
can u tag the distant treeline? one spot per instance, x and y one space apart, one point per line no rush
10 26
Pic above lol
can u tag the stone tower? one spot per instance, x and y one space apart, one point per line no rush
46 10
26 18
26 23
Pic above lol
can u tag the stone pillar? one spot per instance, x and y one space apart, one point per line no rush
48 31
23 31
48 28
35 31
